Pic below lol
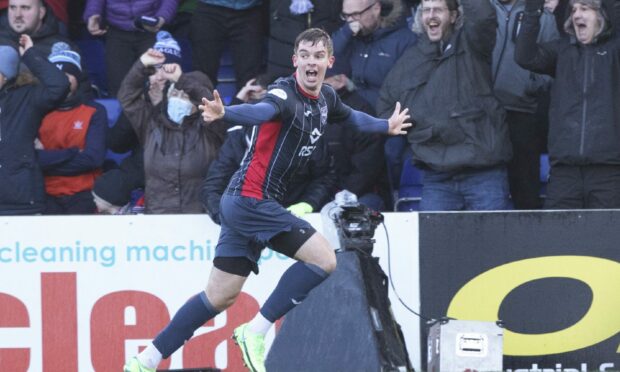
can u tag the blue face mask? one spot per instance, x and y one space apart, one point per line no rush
178 108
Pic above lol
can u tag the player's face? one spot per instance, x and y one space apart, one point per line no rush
311 62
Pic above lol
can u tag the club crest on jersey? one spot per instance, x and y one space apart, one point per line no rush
278 93
323 115
308 150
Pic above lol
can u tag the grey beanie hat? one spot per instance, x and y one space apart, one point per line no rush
9 61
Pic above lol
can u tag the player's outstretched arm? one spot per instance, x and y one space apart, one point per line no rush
212 109
397 123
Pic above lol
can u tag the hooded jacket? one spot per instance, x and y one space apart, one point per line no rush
584 114
22 108
176 157
457 121
366 60
516 88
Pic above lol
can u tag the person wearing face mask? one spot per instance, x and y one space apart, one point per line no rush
178 146
584 115
71 142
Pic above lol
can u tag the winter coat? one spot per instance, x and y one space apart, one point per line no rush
584 114
458 122
176 157
313 184
366 60
516 88
284 28
121 14
21 110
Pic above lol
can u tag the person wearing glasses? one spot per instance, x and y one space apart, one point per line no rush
459 135
374 36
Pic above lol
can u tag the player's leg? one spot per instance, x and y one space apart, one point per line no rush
316 260
222 289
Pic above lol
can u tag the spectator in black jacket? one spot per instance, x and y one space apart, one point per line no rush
23 107
584 115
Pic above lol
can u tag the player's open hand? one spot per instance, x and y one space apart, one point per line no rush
212 109
397 123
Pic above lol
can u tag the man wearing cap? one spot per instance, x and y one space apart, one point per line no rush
21 109
178 145
71 143
584 115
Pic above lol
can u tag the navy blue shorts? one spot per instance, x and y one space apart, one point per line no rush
248 226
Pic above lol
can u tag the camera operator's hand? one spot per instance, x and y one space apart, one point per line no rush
300 209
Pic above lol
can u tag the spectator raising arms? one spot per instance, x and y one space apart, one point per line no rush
584 115
22 190
178 145
459 137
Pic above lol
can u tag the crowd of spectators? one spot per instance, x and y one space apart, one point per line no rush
490 85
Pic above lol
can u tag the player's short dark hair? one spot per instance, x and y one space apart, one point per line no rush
314 36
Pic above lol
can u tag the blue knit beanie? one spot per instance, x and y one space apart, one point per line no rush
66 59
168 46
9 61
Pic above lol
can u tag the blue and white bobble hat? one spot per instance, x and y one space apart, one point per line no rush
66 59
168 46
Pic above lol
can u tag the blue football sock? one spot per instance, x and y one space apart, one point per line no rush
193 314
293 287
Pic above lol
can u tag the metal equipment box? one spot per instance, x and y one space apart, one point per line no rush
465 345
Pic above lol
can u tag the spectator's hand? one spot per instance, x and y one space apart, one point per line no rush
397 123
171 72
157 27
250 90
300 209
94 25
534 6
550 5
212 110
337 81
25 43
152 57
355 27
156 89
38 145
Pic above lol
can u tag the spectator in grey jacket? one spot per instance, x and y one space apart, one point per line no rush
522 93
584 114
459 136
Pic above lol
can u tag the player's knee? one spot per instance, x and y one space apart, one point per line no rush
221 300
328 262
